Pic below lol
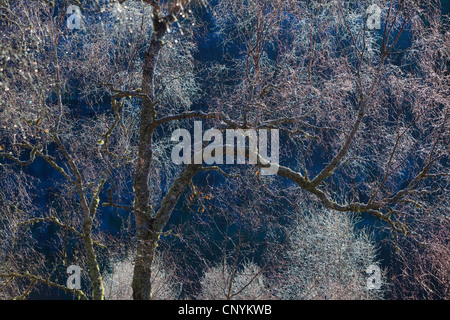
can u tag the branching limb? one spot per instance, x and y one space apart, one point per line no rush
216 168
35 279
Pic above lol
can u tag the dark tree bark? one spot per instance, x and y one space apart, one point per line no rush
149 224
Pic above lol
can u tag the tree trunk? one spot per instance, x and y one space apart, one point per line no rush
145 253
149 227
94 270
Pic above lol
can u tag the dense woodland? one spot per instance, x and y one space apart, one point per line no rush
92 91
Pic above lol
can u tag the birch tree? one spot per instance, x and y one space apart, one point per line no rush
362 109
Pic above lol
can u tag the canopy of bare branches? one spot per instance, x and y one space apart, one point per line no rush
91 92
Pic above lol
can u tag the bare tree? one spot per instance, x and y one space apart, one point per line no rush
327 259
363 113
117 283
219 283
420 269
98 148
